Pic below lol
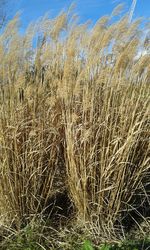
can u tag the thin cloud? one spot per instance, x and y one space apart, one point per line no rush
116 1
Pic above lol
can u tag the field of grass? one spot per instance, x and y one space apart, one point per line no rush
74 131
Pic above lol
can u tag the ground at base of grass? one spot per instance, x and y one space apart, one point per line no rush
38 237
21 244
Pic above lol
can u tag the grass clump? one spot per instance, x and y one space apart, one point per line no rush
75 124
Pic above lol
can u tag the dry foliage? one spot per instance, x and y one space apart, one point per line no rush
74 117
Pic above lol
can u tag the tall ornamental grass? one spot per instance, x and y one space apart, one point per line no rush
75 118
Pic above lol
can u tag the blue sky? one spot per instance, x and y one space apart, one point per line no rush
86 9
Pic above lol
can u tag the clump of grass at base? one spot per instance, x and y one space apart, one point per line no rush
74 118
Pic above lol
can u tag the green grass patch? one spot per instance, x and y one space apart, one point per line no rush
126 245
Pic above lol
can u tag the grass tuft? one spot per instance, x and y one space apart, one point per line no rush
75 124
